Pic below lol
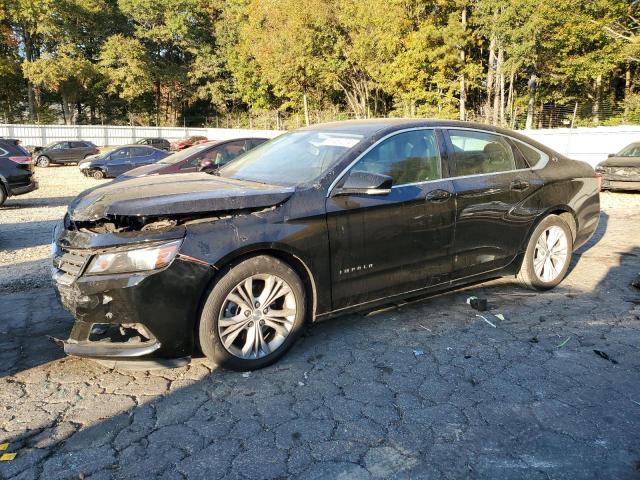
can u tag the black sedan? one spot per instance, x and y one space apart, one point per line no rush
621 171
315 223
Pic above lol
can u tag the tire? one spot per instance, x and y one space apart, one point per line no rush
252 323
542 271
98 174
3 195
43 161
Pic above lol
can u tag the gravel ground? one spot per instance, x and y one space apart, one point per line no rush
427 390
26 223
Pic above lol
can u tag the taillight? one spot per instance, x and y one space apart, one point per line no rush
598 182
21 159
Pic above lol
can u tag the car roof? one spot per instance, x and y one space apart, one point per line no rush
384 126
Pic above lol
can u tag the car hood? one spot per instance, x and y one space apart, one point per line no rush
176 194
621 162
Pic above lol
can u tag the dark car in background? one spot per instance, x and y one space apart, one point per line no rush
71 151
159 143
205 157
621 171
317 222
16 170
121 160
187 142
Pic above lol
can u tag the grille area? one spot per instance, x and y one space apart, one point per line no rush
71 263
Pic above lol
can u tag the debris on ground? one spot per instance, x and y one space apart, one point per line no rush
563 343
636 282
476 303
246 374
499 316
4 446
418 353
483 318
533 340
604 355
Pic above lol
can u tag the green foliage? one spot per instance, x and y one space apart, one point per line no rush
162 61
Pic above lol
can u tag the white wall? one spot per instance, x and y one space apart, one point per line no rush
39 135
588 144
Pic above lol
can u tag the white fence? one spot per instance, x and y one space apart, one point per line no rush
589 144
40 135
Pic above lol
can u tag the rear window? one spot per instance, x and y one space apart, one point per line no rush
10 148
530 154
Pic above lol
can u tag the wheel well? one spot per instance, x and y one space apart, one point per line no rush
569 220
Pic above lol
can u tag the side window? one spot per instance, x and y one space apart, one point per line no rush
60 146
77 145
140 152
120 154
530 155
254 142
408 157
480 153
229 151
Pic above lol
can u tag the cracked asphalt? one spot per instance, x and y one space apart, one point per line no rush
423 390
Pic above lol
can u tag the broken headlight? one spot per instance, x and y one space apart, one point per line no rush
138 260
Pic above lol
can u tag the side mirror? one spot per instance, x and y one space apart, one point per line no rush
365 183
205 165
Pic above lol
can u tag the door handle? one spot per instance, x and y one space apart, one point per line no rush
519 185
438 196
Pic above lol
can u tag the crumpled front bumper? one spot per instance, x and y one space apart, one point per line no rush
163 304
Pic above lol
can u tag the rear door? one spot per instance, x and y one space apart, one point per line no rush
142 156
494 209
77 151
390 244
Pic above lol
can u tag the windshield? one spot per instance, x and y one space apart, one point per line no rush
632 150
292 159
182 154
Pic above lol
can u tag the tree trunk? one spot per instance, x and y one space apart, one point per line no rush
628 87
306 109
502 84
498 77
597 99
512 79
492 60
531 102
463 87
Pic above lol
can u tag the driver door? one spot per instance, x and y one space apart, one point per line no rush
382 245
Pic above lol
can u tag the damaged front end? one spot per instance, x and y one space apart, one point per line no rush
120 269
132 293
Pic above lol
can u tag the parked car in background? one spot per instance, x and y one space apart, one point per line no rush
318 222
16 170
121 160
159 143
205 157
621 171
72 151
187 142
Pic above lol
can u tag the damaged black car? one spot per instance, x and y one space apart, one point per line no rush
621 171
321 221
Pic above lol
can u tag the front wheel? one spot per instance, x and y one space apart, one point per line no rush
548 254
43 161
98 174
253 315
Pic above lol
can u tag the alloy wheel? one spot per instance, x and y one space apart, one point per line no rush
257 316
550 254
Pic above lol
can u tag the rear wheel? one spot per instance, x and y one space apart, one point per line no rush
3 195
43 161
98 174
548 254
253 315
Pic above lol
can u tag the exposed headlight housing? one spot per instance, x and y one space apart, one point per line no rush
83 165
135 260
